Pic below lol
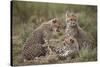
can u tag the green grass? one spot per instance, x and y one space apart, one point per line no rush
86 55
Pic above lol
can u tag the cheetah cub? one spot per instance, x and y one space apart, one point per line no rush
34 45
73 29
69 47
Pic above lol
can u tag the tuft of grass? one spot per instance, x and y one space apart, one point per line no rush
88 55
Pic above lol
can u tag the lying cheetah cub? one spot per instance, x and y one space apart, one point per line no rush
70 47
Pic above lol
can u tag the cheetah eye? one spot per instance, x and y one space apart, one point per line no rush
71 40
71 19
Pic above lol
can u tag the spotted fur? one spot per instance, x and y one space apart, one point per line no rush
70 47
34 45
73 29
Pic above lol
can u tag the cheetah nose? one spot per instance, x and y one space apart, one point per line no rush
73 23
58 30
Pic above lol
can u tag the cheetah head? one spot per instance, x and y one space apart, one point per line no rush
72 19
68 40
55 25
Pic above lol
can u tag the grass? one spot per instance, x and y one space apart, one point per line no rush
86 55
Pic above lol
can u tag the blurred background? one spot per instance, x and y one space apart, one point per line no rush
27 16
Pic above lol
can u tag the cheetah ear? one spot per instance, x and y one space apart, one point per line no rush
67 13
76 14
54 20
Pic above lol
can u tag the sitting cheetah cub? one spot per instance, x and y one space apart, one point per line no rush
73 29
34 45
